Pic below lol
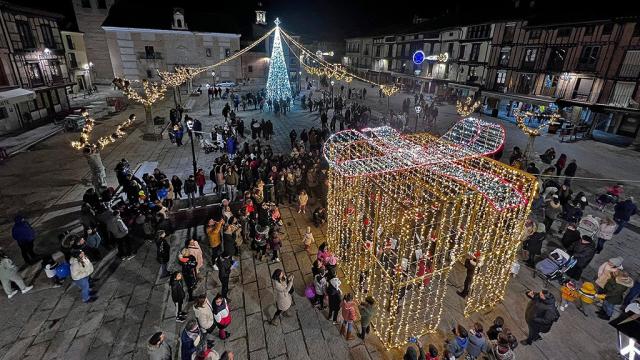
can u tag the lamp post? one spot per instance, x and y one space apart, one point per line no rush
418 109
213 75
209 98
193 149
332 83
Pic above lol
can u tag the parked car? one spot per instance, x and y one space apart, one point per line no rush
226 84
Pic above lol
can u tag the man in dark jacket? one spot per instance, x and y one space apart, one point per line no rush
583 251
292 136
163 252
570 172
224 264
470 264
190 189
24 235
533 244
540 314
623 212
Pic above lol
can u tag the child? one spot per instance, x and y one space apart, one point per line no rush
569 294
307 239
260 241
323 252
320 286
348 316
303 198
51 270
275 243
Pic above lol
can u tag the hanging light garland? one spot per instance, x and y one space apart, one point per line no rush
388 90
534 131
151 91
84 142
405 209
467 107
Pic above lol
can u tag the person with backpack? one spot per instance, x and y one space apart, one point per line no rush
540 314
458 344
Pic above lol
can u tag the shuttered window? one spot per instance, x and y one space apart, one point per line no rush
622 94
631 64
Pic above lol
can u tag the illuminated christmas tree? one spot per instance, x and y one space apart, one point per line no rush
278 86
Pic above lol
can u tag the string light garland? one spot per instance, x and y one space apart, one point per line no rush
84 142
467 107
545 119
278 85
151 91
405 209
388 90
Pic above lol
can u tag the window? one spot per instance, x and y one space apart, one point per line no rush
607 29
479 31
149 52
378 51
589 56
622 94
583 89
631 64
54 68
3 113
178 23
556 60
207 52
407 48
564 32
26 36
509 32
86 3
524 84
535 34
47 36
505 53
102 4
3 76
35 74
529 58
475 52
463 48
70 42
451 49
227 52
501 77
367 48
250 69
636 30
73 62
149 74
588 31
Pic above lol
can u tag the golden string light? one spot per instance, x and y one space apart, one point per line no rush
534 131
151 91
388 90
467 107
406 209
85 136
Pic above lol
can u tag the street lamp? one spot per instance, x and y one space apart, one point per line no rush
418 109
213 75
209 99
193 149
332 83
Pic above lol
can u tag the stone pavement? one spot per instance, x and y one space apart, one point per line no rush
133 304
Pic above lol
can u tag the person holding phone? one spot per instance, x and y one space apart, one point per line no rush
283 287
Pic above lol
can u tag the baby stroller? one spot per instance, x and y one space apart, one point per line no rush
589 225
208 146
554 266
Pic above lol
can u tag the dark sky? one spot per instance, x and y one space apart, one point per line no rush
337 19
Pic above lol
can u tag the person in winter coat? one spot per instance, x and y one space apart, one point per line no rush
320 288
540 314
177 186
411 354
190 340
502 348
367 311
25 236
9 274
308 239
303 198
158 348
283 287
551 212
495 328
203 311
221 316
195 250
623 211
570 172
605 233
583 251
231 181
177 295
459 343
571 235
120 232
323 253
533 244
613 292
560 164
81 269
229 237
605 270
189 264
275 242
224 272
477 341
348 309
163 252
470 263
201 180
215 239
335 297
190 188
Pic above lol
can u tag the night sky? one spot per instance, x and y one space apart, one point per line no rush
337 19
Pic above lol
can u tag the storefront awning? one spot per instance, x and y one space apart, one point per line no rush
16 96
527 99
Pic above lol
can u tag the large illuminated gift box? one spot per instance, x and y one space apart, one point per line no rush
403 209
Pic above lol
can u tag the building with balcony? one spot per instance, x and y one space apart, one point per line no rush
168 38
81 70
33 70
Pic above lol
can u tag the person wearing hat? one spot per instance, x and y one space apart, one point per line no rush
583 251
605 270
9 274
335 297
470 263
533 244
24 235
613 292
158 348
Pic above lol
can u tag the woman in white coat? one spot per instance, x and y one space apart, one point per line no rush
283 287
9 274
81 269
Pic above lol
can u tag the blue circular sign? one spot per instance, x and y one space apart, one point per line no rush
418 57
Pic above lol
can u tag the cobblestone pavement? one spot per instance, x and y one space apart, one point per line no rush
54 324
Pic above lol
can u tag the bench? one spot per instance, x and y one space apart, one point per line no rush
188 106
